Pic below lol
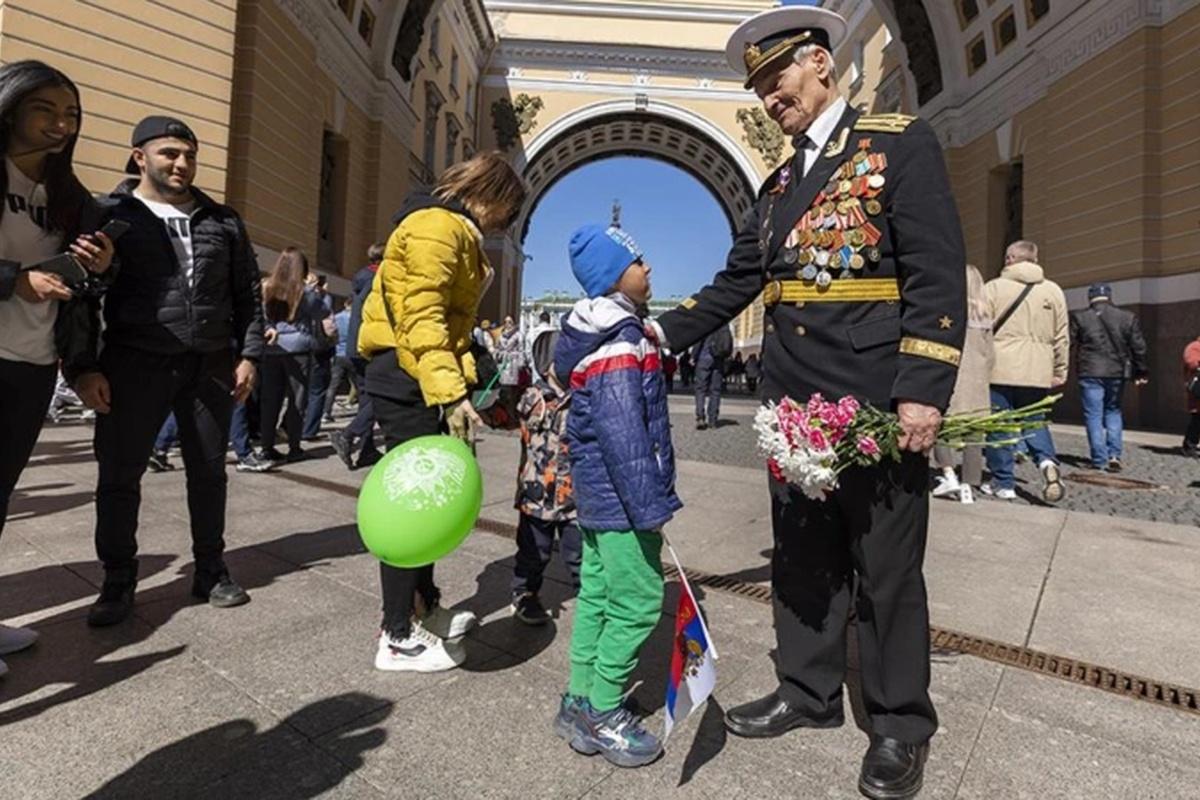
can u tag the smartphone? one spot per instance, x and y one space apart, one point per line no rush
115 228
64 266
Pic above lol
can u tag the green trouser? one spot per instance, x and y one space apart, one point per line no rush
619 603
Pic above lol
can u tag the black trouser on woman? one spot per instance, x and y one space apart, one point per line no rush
401 418
25 393
284 377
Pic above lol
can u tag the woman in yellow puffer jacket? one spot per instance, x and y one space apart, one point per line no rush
416 334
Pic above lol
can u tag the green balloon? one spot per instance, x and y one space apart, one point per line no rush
420 501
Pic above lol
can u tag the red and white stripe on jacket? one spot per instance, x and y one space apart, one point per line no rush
614 356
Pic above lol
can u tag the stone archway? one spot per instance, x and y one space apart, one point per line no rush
653 129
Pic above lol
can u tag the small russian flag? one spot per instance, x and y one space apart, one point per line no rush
693 657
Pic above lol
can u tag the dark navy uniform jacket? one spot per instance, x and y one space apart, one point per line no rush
886 342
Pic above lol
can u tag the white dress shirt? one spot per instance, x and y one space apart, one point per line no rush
813 140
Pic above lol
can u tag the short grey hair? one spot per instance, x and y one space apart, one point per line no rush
804 51
1021 250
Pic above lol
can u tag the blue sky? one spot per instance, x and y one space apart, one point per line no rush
675 220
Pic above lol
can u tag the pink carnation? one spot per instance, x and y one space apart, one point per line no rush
848 405
868 446
776 472
814 403
817 439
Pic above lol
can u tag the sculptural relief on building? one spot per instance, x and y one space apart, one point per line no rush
514 118
762 133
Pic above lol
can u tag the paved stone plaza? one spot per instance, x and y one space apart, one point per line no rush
279 699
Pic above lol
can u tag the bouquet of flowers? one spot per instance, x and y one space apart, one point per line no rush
809 445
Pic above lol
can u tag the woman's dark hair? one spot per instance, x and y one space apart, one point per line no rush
65 195
284 288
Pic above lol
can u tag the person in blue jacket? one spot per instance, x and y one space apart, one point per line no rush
623 465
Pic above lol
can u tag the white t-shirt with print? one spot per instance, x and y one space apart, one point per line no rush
26 329
178 220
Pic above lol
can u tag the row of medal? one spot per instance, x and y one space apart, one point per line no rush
836 235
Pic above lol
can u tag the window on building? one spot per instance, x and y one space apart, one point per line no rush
331 202
366 24
435 31
347 7
1014 205
470 100
976 54
1005 28
408 40
968 10
453 131
468 149
433 106
1035 10
454 70
856 67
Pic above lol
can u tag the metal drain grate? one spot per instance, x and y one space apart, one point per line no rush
1080 673
1107 481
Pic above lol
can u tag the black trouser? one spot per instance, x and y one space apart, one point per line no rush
145 388
871 531
363 425
25 394
1191 436
343 369
402 419
535 546
751 384
318 388
708 384
284 377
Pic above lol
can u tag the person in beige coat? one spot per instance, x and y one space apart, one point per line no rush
1032 344
971 394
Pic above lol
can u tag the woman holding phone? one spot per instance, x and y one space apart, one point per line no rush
45 210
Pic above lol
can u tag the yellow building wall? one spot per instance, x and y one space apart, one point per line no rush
1111 164
130 59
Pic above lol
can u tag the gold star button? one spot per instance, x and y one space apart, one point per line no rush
946 323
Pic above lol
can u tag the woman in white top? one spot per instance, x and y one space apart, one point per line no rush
43 210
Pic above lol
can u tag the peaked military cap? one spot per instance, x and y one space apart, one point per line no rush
766 38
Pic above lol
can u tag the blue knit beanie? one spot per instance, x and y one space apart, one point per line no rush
600 256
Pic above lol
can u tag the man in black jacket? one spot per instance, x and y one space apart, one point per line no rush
359 435
183 333
1111 351
709 356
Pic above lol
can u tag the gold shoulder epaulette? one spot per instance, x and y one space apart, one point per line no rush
884 123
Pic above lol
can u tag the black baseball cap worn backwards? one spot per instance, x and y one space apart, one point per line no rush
158 127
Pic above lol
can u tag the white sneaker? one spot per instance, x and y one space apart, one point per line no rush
999 494
14 640
965 495
947 486
1053 489
449 624
421 651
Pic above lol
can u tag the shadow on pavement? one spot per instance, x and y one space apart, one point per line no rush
78 657
236 759
27 592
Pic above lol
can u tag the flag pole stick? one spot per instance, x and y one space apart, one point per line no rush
687 587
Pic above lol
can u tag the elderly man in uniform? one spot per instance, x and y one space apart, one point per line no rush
856 247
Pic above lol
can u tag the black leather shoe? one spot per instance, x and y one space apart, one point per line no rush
772 716
219 590
892 770
113 605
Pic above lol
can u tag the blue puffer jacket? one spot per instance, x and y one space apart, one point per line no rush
618 431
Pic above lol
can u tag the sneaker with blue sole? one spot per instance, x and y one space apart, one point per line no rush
568 710
617 735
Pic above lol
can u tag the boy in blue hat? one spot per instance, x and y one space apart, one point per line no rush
623 466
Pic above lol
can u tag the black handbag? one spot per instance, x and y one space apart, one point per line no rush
1193 385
